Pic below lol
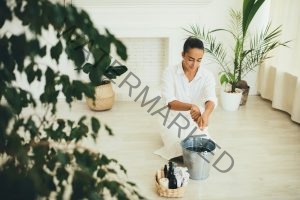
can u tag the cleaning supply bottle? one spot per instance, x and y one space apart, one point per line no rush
165 171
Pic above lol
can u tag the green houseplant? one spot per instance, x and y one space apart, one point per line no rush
102 71
41 155
103 68
104 96
248 52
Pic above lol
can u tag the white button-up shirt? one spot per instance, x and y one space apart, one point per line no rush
176 86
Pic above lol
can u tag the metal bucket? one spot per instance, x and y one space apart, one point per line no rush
197 156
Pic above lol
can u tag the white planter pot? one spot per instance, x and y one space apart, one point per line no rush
231 101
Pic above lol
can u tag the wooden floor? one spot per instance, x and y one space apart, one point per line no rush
264 143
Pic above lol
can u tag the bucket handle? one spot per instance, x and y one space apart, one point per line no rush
185 139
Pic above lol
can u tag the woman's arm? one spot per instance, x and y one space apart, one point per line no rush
202 120
179 106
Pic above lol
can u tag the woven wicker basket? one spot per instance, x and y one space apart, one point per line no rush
104 98
165 192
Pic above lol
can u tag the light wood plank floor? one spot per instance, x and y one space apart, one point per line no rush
264 143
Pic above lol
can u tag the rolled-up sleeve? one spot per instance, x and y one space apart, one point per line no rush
210 90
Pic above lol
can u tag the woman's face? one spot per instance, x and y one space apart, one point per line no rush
192 58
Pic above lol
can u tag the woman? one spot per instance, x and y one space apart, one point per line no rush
189 92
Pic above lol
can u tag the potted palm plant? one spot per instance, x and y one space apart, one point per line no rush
248 52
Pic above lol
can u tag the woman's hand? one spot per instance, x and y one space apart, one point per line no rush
202 121
195 112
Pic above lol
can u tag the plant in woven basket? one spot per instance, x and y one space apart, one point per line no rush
41 155
103 70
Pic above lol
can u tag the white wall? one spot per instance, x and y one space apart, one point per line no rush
161 19
286 13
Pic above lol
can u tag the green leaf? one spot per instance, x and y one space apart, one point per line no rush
5 57
108 130
63 158
62 174
87 67
58 20
13 145
42 51
121 49
50 93
112 186
12 180
76 55
58 133
122 195
250 8
18 124
95 124
31 127
51 164
82 184
66 87
110 170
38 74
101 173
95 196
40 152
79 88
18 44
87 161
81 120
131 183
68 33
123 169
70 123
12 97
102 61
5 13
56 51
44 183
89 90
30 73
33 48
31 17
223 79
103 160
95 76
79 131
5 116
113 71
84 42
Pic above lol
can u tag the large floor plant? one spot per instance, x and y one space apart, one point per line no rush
41 155
248 51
